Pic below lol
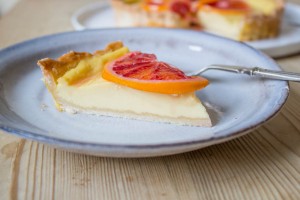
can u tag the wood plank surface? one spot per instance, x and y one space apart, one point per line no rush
265 164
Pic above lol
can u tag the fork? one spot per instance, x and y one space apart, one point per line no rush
255 71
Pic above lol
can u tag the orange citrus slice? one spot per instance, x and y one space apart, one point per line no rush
225 6
143 71
155 5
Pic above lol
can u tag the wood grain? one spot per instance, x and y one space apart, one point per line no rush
264 164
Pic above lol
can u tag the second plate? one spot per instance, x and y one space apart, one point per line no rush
100 15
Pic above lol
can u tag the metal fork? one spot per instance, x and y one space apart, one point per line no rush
255 71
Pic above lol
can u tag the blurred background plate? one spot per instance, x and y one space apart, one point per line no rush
100 15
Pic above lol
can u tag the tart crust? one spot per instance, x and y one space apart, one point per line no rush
54 69
131 115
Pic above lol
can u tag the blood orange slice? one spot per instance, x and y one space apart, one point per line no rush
225 6
144 72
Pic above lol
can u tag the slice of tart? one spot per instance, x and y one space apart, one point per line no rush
242 20
116 82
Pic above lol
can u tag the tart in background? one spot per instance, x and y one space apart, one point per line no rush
242 20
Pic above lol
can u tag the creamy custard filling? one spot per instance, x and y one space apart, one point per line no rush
101 94
230 26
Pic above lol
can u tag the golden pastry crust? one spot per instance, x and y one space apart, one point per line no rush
204 122
53 69
261 26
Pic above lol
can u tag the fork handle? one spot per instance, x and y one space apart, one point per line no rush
279 75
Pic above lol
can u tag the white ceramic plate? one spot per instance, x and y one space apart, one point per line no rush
236 103
100 15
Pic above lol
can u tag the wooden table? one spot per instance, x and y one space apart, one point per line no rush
265 164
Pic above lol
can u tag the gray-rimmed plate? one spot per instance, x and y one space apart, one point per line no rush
236 103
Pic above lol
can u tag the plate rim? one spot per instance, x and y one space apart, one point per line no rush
101 146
